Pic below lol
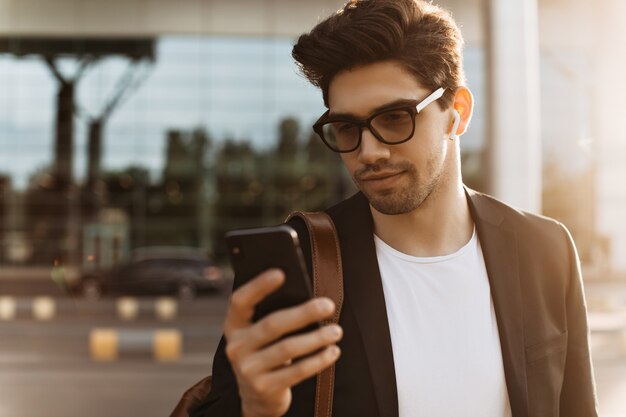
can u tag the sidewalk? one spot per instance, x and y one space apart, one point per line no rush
606 302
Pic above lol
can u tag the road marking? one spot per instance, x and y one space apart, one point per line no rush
166 308
44 308
127 308
7 308
47 308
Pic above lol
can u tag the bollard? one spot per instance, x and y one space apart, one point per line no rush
103 344
7 308
164 345
166 308
167 345
44 308
127 308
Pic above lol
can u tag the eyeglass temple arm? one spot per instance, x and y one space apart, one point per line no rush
434 96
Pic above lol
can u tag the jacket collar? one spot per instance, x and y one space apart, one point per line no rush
364 294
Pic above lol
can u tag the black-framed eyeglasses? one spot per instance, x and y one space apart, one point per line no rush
391 125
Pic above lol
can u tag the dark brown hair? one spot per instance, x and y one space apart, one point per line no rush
419 35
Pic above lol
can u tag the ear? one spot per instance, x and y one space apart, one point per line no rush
464 105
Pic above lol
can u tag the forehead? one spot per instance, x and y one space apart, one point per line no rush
359 90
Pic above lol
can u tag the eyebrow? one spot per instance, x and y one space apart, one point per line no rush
390 105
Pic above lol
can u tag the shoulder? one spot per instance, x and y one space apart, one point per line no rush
526 225
544 246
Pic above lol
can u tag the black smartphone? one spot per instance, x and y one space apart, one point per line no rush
253 251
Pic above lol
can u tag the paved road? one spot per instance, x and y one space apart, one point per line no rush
46 369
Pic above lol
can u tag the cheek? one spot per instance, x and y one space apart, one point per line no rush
428 133
432 126
427 153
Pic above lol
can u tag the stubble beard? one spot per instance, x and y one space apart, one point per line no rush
400 199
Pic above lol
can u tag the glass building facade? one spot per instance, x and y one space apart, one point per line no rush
111 145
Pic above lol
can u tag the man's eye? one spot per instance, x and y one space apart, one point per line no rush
343 127
395 116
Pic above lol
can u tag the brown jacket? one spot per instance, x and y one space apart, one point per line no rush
536 286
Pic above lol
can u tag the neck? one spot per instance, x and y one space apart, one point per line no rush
441 225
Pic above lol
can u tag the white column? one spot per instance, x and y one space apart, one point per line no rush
515 154
609 87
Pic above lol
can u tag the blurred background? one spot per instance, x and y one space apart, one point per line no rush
134 133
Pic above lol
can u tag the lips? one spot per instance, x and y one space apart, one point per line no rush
380 181
380 176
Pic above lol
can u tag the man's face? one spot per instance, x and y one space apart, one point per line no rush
396 179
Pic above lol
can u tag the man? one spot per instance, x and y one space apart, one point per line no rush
455 304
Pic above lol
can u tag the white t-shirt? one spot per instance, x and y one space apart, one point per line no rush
446 347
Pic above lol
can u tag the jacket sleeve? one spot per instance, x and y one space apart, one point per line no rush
578 394
223 400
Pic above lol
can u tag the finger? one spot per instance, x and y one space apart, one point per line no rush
283 352
246 297
291 375
285 321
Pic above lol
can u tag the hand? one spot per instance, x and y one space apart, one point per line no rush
262 364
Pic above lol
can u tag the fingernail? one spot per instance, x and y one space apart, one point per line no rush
334 351
325 305
334 330
275 275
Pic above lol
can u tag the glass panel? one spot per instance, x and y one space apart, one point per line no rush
170 146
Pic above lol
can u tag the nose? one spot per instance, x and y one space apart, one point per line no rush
371 149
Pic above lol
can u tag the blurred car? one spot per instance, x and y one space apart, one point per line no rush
183 271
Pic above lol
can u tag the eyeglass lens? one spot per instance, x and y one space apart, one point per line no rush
392 126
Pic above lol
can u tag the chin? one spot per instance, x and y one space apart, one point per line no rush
395 203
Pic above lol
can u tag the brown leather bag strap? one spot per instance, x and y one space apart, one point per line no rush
327 282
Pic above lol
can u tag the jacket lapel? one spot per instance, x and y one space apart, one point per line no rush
499 246
364 294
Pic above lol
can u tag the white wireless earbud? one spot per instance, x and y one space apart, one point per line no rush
455 126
